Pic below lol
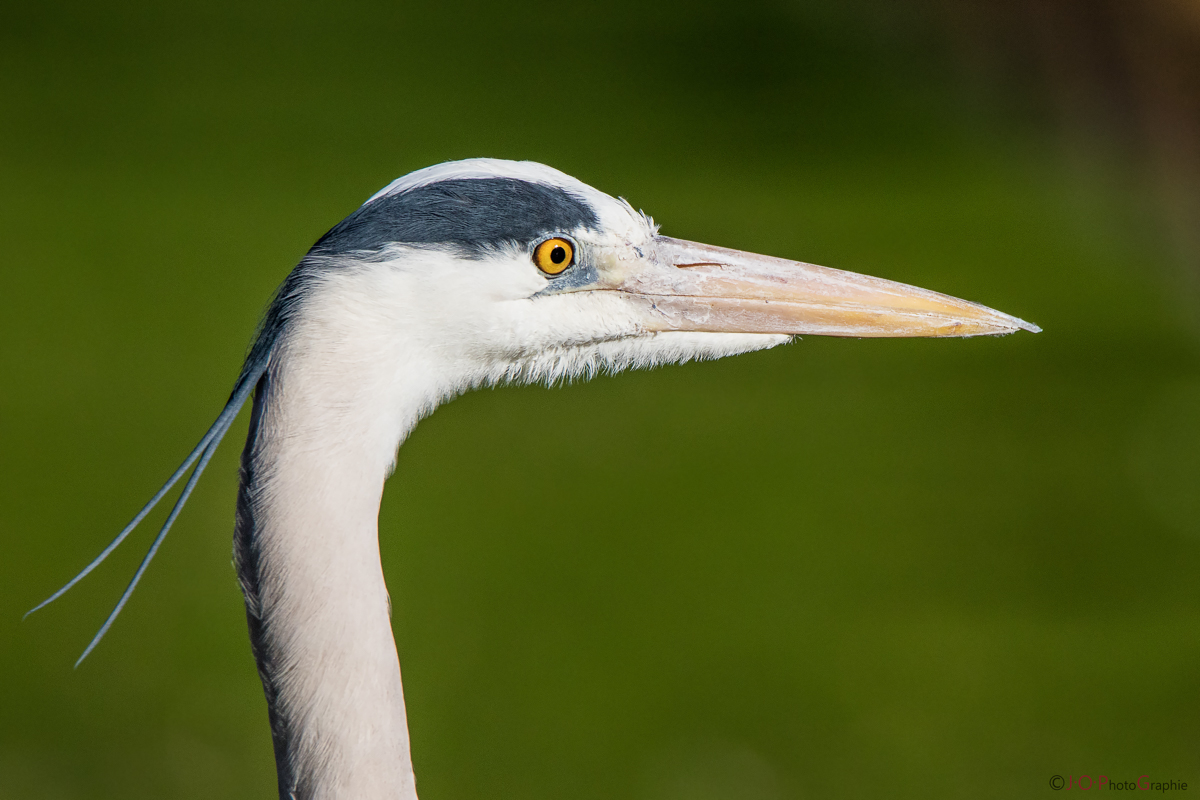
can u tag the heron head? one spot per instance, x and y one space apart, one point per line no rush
503 270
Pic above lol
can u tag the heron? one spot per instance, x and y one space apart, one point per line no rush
461 275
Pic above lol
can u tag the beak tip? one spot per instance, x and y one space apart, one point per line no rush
1026 326
999 324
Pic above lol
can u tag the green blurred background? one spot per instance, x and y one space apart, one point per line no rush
836 569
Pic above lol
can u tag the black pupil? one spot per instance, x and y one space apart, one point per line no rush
558 255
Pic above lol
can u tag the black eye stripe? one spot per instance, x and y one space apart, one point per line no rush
475 214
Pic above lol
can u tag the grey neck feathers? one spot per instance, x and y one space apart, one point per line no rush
307 554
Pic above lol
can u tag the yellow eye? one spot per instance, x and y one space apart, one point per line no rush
554 255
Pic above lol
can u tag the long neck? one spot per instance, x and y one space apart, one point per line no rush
322 439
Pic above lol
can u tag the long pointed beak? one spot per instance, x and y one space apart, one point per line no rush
698 287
